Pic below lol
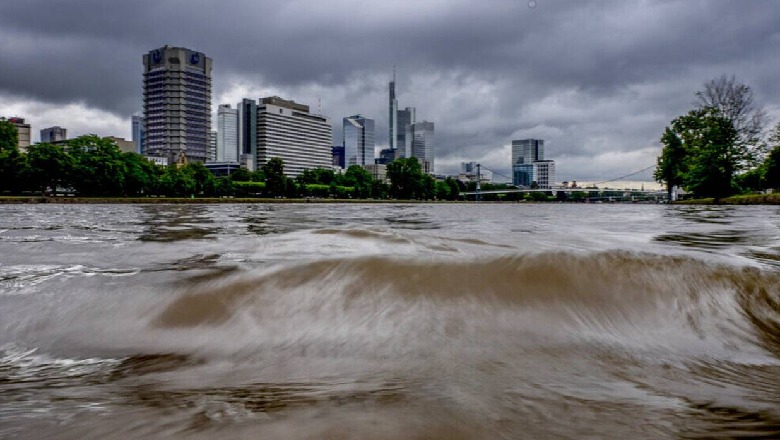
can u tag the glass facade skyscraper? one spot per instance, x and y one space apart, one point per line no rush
137 126
420 142
247 130
177 104
358 141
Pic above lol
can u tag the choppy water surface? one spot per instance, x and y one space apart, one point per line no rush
389 321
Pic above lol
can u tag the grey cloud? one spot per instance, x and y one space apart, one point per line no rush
588 76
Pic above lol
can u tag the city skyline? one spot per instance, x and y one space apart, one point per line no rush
599 93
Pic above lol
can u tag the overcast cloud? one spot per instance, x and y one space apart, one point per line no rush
596 79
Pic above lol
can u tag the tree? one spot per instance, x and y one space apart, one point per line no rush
734 101
772 162
669 169
11 160
204 179
275 180
98 168
357 177
141 175
701 154
47 166
405 177
241 175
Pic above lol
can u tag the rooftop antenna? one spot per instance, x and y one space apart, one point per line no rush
393 72
319 105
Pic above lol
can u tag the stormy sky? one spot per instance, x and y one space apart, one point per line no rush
596 79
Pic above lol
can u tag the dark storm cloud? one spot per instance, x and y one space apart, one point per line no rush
597 79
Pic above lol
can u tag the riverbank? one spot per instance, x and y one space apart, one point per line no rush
745 199
179 200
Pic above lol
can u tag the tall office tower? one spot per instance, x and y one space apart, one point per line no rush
527 151
358 140
524 153
177 104
227 134
23 133
288 131
419 141
247 131
54 134
211 156
404 118
544 173
138 133
393 115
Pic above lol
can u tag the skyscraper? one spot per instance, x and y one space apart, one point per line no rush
227 134
393 115
526 151
419 141
54 134
358 140
177 104
286 129
138 134
405 118
247 131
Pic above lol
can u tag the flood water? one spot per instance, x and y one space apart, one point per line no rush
333 321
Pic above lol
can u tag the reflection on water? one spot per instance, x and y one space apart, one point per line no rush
177 222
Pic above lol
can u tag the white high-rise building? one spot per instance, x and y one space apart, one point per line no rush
358 137
286 129
227 134
544 173
211 156
420 143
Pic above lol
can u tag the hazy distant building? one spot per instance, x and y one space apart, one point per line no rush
420 142
53 134
358 134
177 103
247 132
386 156
286 129
137 127
544 173
337 152
525 152
23 132
377 171
123 144
227 134
468 173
